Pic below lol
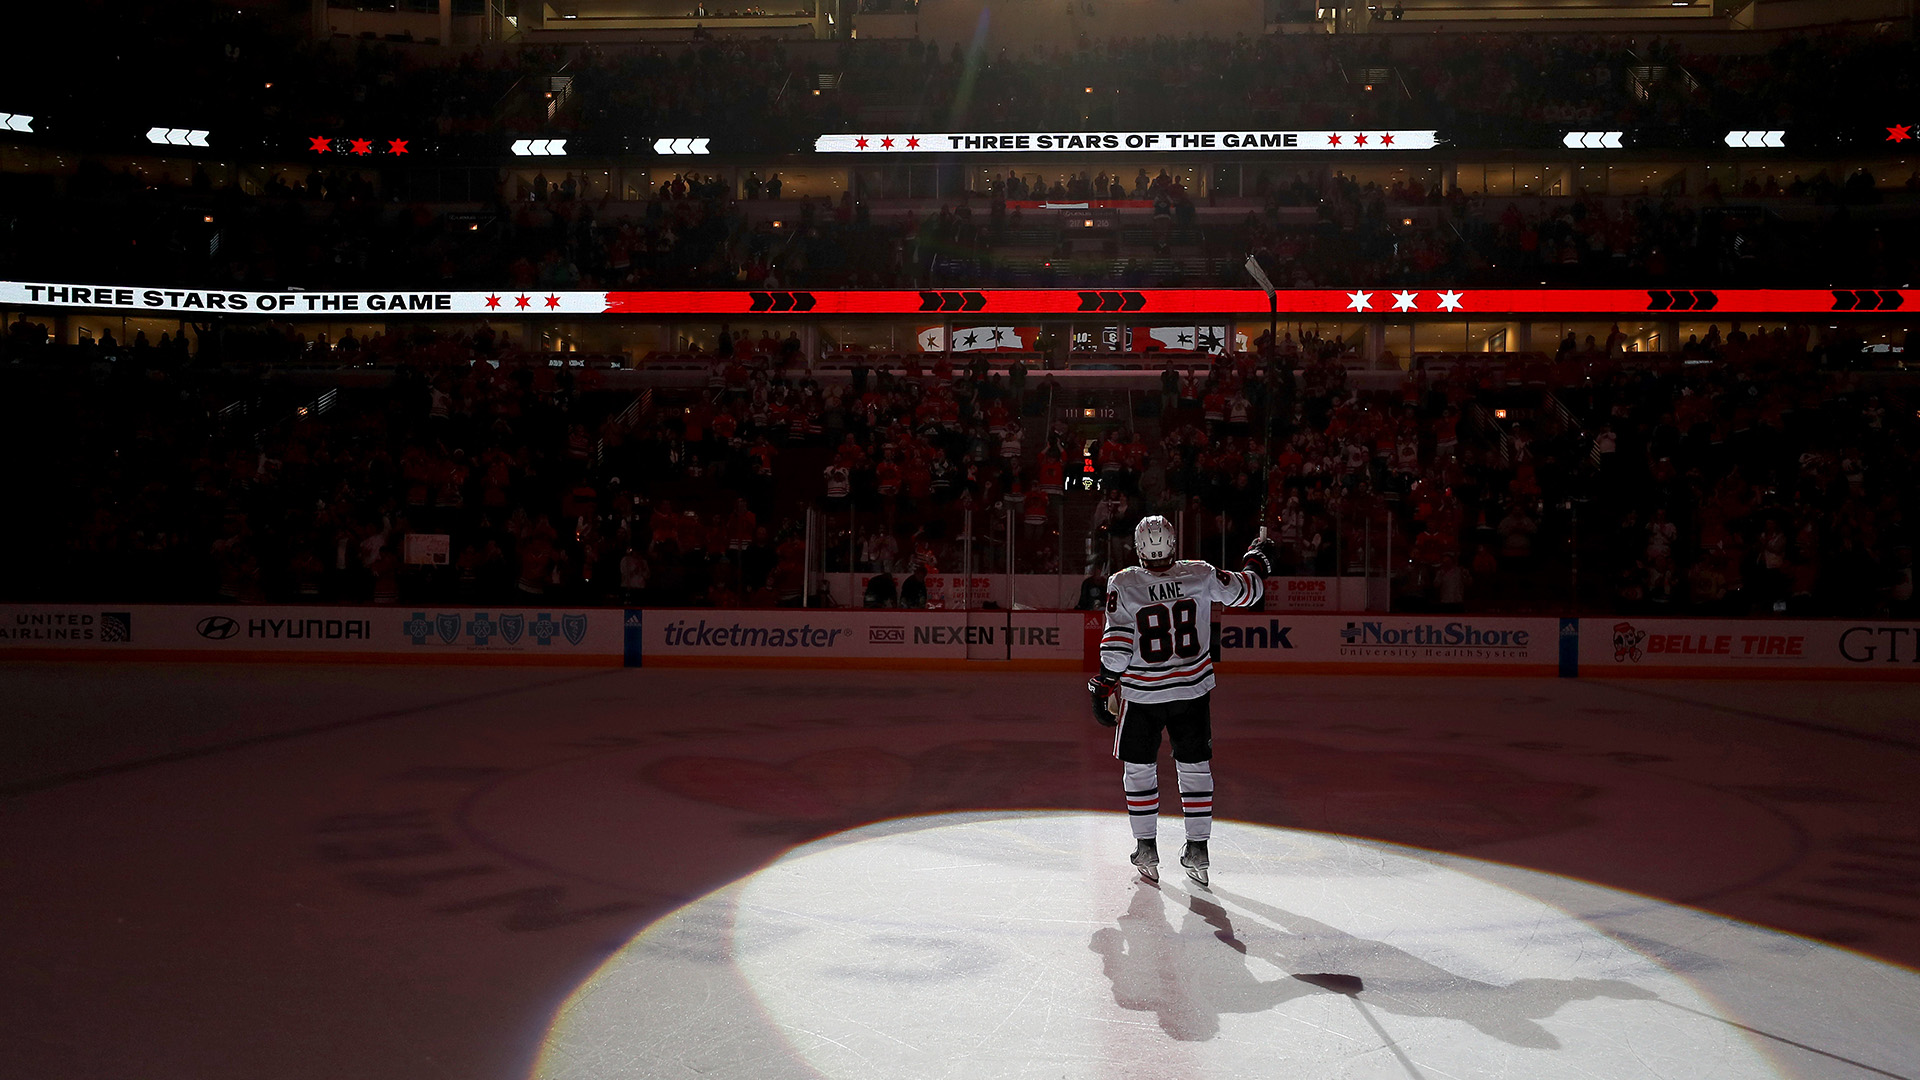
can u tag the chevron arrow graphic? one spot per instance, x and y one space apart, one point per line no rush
16 122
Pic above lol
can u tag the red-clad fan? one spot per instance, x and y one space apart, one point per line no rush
1051 473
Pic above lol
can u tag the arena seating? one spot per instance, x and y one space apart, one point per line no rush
1762 481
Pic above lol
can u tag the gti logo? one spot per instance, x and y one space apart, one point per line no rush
218 628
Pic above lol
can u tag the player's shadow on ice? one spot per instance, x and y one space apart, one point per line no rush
1189 977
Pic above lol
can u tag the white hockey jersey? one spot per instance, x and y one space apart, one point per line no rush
1160 627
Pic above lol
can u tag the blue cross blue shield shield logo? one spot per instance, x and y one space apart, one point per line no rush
574 626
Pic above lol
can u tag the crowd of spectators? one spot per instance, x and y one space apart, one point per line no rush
1359 234
1754 479
331 229
190 482
1748 474
252 76
371 223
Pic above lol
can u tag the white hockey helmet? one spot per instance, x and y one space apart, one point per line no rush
1153 541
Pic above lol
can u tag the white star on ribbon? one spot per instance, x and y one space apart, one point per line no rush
1359 301
1404 301
1449 301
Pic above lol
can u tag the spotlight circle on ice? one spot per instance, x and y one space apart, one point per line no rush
986 945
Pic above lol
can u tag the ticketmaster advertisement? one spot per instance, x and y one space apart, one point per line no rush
704 637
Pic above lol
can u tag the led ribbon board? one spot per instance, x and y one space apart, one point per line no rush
1059 141
1141 303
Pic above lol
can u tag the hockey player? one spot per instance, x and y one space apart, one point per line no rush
1156 673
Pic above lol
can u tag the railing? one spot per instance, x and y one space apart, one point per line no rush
1490 430
626 418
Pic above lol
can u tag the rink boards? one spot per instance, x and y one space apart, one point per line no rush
1278 642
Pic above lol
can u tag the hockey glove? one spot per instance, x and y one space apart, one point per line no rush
1102 687
1263 557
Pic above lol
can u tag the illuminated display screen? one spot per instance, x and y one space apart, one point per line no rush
1145 305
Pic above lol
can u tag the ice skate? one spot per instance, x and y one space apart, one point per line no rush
1146 856
1195 860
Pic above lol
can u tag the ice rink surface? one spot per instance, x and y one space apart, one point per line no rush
324 872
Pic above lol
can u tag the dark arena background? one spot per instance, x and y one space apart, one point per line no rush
571 540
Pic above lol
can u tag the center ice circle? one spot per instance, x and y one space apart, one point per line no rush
983 946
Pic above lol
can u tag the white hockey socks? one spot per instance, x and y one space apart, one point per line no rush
1142 785
1196 797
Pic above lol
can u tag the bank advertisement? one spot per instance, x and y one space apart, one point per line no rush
1824 648
545 634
